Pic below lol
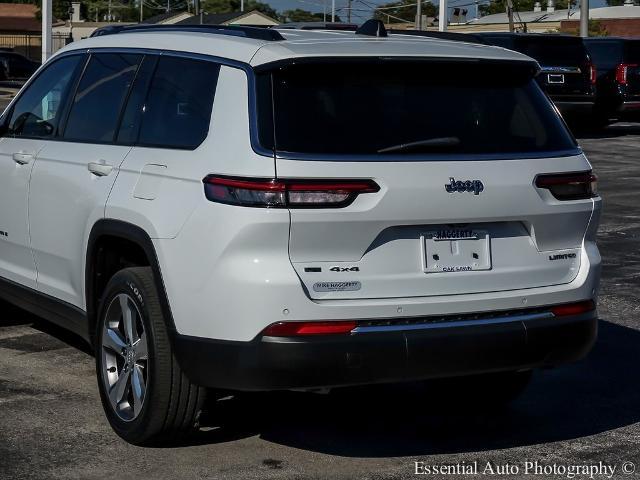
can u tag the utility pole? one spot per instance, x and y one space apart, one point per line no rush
419 15
584 18
510 15
47 15
443 16
242 5
348 11
141 10
333 11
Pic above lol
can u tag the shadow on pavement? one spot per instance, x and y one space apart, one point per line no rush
600 393
45 336
614 130
597 394
11 315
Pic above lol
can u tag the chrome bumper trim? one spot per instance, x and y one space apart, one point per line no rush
453 324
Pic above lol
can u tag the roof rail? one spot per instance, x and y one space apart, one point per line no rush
316 26
372 28
231 30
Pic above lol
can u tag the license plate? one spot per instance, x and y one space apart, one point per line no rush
555 78
456 250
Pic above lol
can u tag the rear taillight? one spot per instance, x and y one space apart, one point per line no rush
593 74
285 193
622 72
295 329
573 308
569 186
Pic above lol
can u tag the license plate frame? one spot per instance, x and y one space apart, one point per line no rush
456 250
555 78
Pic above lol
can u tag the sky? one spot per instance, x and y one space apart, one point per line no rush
361 11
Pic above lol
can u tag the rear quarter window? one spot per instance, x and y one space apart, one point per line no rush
177 109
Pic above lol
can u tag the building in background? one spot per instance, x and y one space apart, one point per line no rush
621 20
20 30
252 18
77 28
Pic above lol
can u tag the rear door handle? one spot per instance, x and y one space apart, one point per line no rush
100 169
22 158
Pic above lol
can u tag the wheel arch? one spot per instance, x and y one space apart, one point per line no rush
113 232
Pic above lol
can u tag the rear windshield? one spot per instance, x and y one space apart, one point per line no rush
605 54
398 108
553 51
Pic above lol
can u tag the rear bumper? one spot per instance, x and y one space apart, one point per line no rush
389 354
630 107
575 106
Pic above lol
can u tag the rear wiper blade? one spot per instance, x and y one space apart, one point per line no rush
431 143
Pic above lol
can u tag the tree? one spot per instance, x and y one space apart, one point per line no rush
401 10
227 6
300 15
499 6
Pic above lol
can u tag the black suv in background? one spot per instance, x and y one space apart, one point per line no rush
14 66
618 64
567 75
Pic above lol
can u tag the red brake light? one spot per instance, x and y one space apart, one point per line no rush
569 186
593 74
573 308
294 329
285 193
621 72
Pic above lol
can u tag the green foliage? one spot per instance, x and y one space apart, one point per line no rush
300 15
596 29
403 12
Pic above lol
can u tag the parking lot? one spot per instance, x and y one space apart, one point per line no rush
52 424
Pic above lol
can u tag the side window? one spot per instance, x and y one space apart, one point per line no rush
132 116
178 108
96 107
37 112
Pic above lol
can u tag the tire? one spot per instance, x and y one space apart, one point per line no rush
487 391
151 401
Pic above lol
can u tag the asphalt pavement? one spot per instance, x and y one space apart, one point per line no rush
584 414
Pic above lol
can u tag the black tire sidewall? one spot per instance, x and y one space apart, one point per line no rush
137 430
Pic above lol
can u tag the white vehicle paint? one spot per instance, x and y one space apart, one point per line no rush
413 252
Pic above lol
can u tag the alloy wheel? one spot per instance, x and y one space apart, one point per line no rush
125 357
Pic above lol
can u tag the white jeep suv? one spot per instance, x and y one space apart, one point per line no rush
255 209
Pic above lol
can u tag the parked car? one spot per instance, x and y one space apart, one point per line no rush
14 66
618 64
568 75
461 37
220 209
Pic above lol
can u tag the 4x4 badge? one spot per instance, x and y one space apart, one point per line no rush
475 186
